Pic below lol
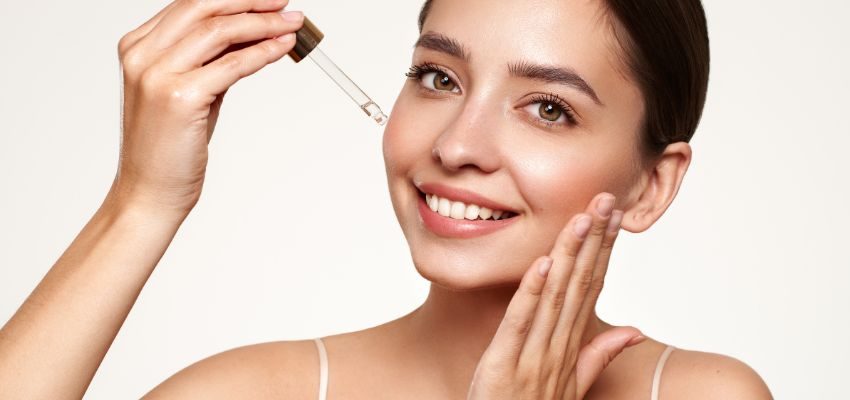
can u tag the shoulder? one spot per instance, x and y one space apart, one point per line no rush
700 375
266 370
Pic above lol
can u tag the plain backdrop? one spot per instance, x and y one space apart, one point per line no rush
295 237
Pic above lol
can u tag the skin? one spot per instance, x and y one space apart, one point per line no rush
491 316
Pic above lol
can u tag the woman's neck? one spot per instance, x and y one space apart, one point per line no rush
452 329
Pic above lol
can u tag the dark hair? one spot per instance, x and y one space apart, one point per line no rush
665 46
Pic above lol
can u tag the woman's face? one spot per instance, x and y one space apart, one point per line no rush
520 105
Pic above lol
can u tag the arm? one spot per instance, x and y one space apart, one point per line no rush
63 330
176 68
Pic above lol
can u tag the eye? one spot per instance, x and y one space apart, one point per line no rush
438 81
551 110
433 78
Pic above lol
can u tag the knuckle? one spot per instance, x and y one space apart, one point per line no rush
231 62
269 49
584 279
202 4
273 19
533 291
608 242
598 228
528 380
597 284
214 27
519 326
131 58
124 44
557 297
152 83
133 61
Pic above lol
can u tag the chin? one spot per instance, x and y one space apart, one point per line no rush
457 270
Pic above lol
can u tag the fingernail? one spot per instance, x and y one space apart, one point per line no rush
292 15
605 206
289 37
544 266
582 226
614 222
635 340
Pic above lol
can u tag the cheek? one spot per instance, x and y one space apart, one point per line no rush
560 181
406 139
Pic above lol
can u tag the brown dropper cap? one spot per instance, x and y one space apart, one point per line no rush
306 39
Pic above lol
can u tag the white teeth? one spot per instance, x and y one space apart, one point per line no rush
433 203
458 210
445 207
471 212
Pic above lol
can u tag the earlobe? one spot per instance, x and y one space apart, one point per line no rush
658 188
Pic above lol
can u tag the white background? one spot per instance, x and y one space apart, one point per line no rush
294 236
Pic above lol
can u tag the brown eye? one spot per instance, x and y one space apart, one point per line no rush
443 82
550 112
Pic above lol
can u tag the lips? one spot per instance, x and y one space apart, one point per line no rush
459 227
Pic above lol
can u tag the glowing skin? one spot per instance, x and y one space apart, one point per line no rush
478 135
482 132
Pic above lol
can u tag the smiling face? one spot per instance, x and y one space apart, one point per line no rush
521 107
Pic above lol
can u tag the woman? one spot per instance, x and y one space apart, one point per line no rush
518 148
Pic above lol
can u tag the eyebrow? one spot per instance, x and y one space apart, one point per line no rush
443 44
523 69
561 75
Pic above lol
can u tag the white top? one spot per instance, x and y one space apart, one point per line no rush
656 378
323 370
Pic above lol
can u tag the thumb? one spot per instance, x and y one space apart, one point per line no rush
599 352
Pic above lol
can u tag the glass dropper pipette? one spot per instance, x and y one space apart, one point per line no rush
307 40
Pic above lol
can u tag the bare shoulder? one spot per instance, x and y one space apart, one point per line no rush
700 375
287 369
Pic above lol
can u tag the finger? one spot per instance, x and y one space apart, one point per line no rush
218 33
187 14
219 75
599 352
512 332
135 35
563 255
582 275
601 269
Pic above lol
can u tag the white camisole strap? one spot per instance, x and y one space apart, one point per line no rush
656 378
323 369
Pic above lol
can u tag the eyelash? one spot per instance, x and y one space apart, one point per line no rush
418 71
557 101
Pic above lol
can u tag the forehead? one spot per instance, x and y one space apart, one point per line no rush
571 33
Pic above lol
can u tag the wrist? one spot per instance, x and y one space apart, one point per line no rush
125 204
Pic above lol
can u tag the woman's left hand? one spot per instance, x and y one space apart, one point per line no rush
535 353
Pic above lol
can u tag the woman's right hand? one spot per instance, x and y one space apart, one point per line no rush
177 68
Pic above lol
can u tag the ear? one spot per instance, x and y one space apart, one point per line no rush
657 188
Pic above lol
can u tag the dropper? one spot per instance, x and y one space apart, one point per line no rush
307 40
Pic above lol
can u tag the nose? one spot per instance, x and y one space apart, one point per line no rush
470 141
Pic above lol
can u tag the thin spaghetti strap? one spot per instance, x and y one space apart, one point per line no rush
656 378
323 369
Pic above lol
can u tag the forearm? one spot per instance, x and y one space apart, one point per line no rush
53 345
